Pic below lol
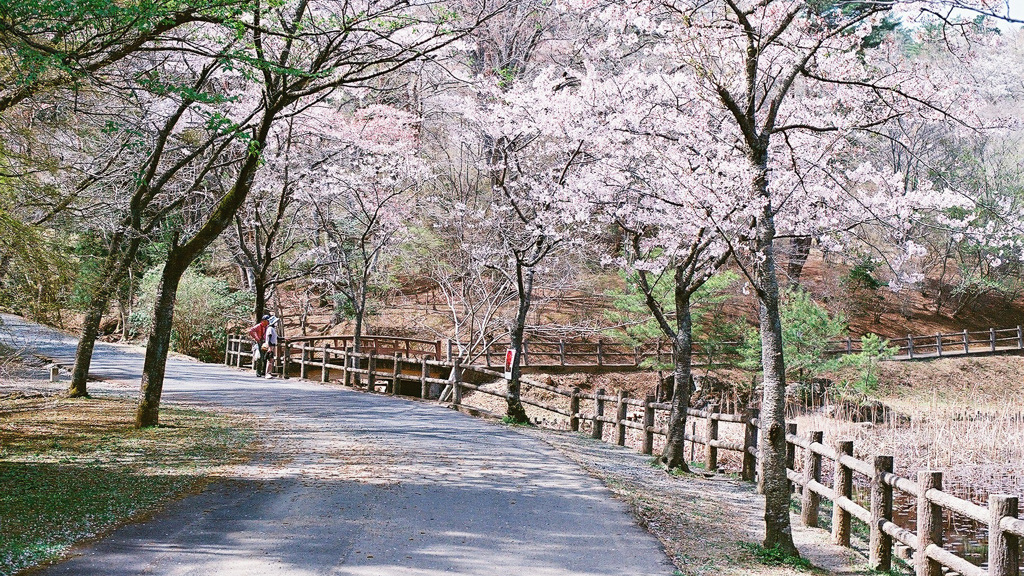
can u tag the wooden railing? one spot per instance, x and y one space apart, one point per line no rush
568 353
639 422
616 354
380 345
323 356
938 345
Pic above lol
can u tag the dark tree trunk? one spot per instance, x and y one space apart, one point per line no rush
515 411
86 344
674 453
158 346
772 445
357 332
115 267
260 289
799 251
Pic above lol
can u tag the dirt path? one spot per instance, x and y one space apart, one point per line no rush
706 522
356 484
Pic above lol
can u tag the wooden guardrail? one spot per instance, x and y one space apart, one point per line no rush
380 345
921 543
963 343
601 353
616 354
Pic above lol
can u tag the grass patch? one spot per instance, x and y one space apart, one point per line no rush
776 557
74 469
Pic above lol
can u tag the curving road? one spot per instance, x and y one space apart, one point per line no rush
357 484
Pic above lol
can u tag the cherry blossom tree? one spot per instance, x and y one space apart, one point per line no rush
361 197
787 83
533 165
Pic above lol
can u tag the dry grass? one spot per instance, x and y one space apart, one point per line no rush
965 419
75 469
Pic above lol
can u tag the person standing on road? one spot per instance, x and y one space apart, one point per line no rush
270 346
258 333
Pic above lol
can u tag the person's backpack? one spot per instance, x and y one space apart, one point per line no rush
257 332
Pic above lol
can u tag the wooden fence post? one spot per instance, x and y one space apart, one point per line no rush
526 356
620 419
1020 338
227 350
967 349
598 429
938 344
346 363
842 484
456 383
929 523
238 357
287 360
371 372
749 470
424 390
303 366
325 372
910 346
648 445
790 452
600 360
880 543
1003 548
394 375
574 410
561 352
992 338
812 471
711 434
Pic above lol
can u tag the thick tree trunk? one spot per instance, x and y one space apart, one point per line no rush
114 269
178 260
86 344
158 346
674 453
778 532
515 411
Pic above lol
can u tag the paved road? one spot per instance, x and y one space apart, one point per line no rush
363 485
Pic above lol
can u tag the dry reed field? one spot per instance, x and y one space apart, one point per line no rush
964 417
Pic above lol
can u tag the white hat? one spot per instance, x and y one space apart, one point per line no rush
273 320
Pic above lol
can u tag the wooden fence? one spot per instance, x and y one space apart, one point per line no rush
616 354
921 544
568 353
611 355
962 343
